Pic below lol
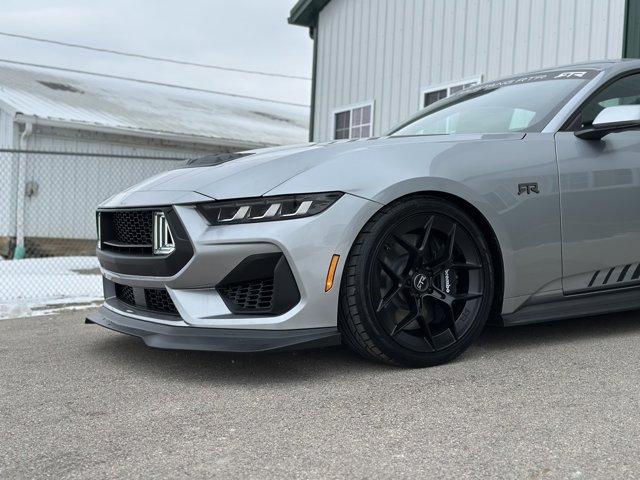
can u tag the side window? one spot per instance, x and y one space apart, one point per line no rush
625 91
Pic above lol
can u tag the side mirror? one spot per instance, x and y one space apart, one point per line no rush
610 120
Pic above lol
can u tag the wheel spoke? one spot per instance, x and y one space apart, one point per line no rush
450 320
467 296
384 301
448 299
409 301
426 333
410 317
446 302
411 250
452 240
425 236
424 324
404 323
447 256
465 266
389 271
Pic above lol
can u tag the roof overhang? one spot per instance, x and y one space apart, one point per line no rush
305 12
148 134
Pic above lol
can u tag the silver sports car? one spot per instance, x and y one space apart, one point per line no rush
515 201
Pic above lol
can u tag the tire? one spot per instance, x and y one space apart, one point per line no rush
418 285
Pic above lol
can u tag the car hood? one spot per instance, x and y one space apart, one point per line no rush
257 172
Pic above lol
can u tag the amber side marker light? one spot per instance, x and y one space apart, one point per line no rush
332 272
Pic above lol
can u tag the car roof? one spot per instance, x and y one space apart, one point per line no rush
611 67
616 64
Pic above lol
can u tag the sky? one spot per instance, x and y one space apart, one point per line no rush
248 34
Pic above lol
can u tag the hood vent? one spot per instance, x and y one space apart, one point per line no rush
215 159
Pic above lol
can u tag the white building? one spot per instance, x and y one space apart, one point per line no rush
376 62
68 141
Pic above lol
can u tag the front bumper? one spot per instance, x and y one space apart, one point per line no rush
308 245
215 339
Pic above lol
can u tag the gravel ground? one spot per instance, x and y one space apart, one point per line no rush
548 401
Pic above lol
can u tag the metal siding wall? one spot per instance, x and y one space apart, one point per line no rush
8 175
72 186
7 130
389 50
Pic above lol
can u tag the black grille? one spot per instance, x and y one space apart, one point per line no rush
250 296
152 299
159 300
133 228
126 237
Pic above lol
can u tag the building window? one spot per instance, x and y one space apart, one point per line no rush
353 122
433 94
343 125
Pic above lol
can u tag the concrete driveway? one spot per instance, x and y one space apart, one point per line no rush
548 401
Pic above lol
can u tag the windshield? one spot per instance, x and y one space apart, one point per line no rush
518 104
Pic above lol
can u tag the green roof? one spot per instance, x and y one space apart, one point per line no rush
305 12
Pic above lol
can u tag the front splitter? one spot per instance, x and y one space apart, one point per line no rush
215 339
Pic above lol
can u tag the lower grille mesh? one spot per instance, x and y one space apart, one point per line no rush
250 296
155 299
159 301
125 294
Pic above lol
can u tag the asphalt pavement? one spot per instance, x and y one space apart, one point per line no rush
556 400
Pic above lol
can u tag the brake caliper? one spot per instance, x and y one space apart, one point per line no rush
450 281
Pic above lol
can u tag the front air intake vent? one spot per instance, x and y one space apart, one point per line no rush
261 284
252 296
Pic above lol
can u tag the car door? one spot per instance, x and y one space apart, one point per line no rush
600 197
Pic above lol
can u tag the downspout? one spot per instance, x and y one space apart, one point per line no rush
625 34
313 33
21 190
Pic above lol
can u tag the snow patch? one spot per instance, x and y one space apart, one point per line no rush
39 286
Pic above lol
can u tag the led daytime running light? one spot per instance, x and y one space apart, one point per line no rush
267 209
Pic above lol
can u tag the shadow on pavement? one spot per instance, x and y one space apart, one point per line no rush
295 367
285 367
584 329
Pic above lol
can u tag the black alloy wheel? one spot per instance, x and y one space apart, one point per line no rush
418 285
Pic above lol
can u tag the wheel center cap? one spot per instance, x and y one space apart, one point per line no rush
421 282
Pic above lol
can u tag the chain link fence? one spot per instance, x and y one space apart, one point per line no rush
47 223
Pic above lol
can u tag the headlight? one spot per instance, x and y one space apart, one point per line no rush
267 209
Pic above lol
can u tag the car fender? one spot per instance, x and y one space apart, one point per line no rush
485 171
448 187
